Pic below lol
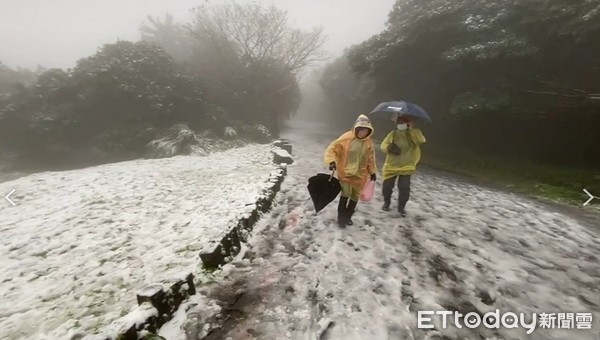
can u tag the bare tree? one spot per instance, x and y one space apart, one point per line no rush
251 57
170 35
258 34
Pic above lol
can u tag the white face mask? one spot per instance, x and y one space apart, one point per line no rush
402 127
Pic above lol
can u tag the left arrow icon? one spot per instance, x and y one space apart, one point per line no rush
7 197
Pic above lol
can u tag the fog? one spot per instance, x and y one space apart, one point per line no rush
57 33
176 156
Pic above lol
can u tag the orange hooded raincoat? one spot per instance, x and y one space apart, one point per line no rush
354 158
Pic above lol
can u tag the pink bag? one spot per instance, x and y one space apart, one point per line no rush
367 192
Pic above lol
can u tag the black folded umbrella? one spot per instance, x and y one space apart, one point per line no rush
323 189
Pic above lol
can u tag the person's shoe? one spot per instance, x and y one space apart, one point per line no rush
402 212
386 206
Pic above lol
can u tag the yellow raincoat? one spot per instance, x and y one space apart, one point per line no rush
409 142
354 158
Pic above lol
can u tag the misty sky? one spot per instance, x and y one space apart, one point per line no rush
55 33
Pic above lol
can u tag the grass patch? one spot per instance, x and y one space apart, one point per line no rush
171 265
563 184
124 312
188 248
208 271
41 254
206 275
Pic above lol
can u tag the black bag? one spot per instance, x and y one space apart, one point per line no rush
393 149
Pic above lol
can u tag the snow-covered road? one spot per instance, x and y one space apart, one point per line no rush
79 244
462 247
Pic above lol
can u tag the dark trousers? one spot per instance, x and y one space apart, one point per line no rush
403 190
346 209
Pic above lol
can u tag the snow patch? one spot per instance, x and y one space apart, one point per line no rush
80 243
135 318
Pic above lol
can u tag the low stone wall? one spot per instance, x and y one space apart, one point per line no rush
230 245
282 152
158 303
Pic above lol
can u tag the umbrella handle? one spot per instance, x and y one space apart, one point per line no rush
330 177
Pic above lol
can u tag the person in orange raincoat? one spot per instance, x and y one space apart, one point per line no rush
353 156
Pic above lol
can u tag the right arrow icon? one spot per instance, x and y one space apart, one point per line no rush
590 199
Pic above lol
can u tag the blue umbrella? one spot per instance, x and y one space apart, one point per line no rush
393 110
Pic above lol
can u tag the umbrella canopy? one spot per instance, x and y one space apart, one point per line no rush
323 189
393 110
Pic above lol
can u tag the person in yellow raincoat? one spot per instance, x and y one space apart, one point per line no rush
403 153
353 156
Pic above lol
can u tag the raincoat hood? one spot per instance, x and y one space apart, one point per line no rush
363 121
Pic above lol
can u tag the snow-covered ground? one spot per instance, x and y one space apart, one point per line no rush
462 247
78 244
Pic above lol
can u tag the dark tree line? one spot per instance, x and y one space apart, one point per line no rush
12 80
513 78
233 66
111 102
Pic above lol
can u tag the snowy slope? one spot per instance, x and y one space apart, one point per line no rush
80 243
462 247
